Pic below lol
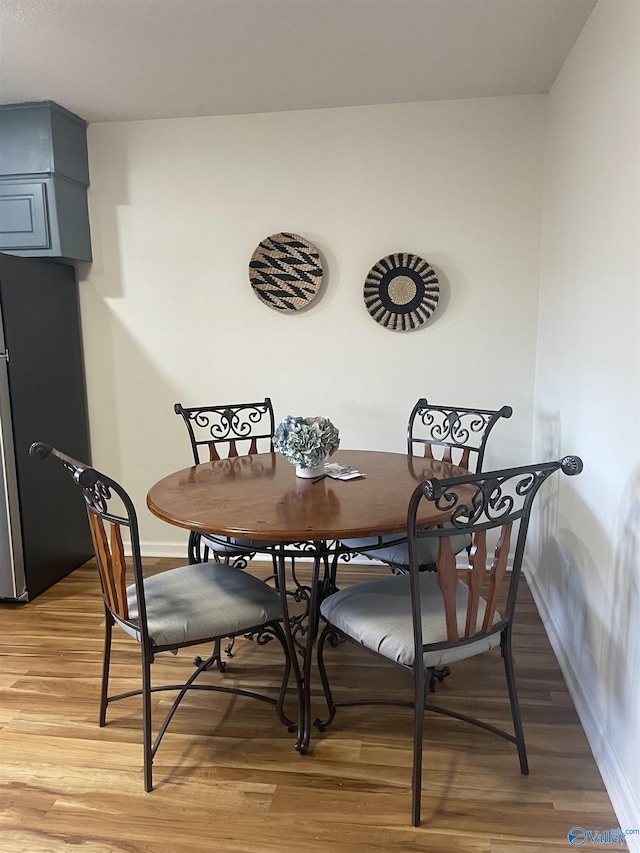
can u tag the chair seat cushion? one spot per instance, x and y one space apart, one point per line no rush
202 601
397 554
377 614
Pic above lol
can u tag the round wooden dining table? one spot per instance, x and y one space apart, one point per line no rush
259 497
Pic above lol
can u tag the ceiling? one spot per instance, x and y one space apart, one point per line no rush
118 60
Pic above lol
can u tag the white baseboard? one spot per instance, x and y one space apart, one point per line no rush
625 801
174 550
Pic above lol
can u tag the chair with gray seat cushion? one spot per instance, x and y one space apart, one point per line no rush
170 610
216 432
423 620
454 434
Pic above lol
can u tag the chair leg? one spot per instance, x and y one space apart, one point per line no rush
507 657
281 636
193 548
146 720
276 580
322 724
215 657
196 553
438 673
106 659
289 643
331 576
418 735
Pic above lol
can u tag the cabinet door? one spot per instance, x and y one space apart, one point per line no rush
24 223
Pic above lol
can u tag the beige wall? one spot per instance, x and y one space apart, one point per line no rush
177 208
587 554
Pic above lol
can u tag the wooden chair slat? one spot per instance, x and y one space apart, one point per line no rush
119 572
214 456
233 449
446 454
253 447
428 452
498 569
474 578
448 583
464 459
103 559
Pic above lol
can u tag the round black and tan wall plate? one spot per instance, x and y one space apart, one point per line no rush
401 292
285 272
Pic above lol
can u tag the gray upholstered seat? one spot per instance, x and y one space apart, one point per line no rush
189 603
234 547
377 614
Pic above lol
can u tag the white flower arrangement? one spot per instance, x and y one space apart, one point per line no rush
306 442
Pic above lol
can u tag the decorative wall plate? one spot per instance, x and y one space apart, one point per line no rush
401 292
285 272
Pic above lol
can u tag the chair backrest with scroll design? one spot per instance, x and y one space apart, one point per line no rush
478 503
461 433
109 509
240 428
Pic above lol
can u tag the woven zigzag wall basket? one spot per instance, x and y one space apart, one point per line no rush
401 292
285 272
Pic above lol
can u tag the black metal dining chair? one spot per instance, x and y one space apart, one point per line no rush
423 620
170 610
453 434
226 431
229 431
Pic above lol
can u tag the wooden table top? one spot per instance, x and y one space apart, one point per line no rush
260 497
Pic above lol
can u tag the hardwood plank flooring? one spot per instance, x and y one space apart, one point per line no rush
226 776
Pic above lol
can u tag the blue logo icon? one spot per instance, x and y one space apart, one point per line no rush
577 836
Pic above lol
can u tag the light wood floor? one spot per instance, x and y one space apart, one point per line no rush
227 777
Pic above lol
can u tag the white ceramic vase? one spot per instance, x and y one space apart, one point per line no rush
310 473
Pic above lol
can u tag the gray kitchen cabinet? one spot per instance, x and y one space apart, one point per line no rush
44 175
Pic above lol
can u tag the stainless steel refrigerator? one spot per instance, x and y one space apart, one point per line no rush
44 534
